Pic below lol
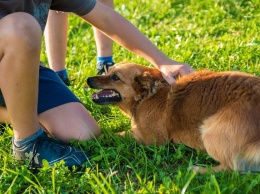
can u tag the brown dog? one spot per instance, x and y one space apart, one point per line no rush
215 112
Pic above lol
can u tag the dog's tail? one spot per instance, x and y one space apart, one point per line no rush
250 159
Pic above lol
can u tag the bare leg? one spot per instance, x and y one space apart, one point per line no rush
56 32
65 122
20 44
203 170
70 121
103 43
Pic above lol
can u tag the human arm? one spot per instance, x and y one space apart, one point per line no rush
127 35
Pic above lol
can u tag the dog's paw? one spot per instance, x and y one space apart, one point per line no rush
197 169
122 133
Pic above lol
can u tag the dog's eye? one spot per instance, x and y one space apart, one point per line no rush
115 78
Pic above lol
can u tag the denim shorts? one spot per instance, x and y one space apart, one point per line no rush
52 91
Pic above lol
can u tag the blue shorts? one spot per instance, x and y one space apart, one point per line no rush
52 91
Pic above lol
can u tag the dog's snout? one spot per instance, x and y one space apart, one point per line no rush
90 80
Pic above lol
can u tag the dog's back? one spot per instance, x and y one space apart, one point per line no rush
218 112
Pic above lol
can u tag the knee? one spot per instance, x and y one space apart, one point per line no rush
22 30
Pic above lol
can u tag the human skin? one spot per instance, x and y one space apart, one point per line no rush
56 34
20 36
128 36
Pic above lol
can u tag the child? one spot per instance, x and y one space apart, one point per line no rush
55 34
21 27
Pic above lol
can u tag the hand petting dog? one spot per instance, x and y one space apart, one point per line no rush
173 71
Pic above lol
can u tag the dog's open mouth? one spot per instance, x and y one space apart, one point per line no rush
106 97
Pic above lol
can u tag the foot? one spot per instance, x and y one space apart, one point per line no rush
52 150
64 78
102 67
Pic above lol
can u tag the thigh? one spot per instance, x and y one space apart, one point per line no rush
67 121
52 91
60 112
70 121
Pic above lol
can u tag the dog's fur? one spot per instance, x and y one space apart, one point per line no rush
215 112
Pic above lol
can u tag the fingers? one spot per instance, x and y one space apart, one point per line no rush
185 70
171 73
170 79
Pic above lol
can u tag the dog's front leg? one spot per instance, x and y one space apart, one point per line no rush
122 133
203 170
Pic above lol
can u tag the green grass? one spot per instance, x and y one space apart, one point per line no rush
214 34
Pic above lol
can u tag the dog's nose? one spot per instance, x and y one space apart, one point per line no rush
90 80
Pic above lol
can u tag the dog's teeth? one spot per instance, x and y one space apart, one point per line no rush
114 94
95 97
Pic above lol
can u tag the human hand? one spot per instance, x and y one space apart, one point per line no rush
172 70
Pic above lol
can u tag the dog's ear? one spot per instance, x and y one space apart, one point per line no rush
148 83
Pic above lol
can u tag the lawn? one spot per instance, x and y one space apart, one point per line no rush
219 35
